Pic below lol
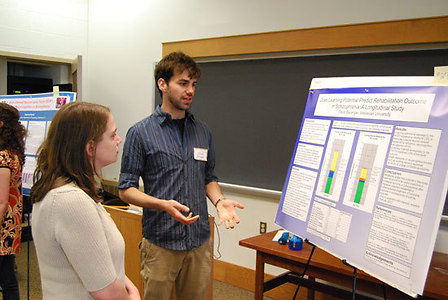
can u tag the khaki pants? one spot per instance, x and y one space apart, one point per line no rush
189 271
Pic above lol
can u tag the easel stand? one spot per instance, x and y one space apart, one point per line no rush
306 267
27 237
354 280
354 277
355 271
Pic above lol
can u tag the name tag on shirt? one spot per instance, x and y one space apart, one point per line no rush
200 154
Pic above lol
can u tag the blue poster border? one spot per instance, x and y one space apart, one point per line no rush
43 112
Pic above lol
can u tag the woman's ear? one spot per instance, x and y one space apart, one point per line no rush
90 148
1 124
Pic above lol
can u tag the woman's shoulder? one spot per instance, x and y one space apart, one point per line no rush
66 188
67 200
7 154
68 193
8 158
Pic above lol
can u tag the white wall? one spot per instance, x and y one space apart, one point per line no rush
56 28
53 28
121 40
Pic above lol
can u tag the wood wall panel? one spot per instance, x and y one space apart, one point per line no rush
411 32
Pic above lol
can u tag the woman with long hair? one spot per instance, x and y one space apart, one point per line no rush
12 158
79 248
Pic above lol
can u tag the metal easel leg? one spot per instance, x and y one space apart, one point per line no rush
354 276
304 270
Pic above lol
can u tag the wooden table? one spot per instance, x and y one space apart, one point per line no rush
328 268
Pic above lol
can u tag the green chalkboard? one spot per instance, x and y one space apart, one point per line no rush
254 107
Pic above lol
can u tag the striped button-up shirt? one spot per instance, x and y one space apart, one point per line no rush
172 166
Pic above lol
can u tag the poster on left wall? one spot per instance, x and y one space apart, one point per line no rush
36 113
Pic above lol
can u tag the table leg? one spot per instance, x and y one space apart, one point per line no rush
310 291
259 277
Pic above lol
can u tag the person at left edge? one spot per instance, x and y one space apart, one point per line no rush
12 158
79 249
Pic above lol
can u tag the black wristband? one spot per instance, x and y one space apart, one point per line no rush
219 200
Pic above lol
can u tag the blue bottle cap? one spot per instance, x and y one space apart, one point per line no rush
284 238
295 243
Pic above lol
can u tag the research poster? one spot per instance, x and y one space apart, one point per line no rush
36 113
368 177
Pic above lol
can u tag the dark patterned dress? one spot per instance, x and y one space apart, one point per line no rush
11 227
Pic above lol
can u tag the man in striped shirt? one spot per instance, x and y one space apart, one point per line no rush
174 155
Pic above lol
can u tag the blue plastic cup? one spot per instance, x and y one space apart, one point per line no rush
295 243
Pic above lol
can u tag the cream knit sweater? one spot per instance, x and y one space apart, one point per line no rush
78 246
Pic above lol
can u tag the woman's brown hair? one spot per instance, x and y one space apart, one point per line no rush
12 132
62 157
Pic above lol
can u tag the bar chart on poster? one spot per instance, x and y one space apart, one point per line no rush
368 176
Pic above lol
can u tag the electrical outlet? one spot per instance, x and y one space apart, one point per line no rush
263 227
